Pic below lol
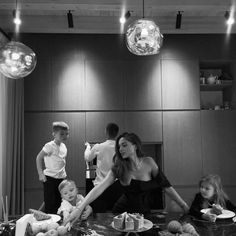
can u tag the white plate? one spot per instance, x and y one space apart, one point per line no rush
225 213
54 218
147 224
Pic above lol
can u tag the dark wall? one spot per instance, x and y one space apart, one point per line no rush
90 80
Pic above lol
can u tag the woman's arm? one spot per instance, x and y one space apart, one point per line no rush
171 192
91 196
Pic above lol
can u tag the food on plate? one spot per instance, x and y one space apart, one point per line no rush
188 228
39 215
216 209
174 226
62 230
52 232
35 228
119 221
52 225
40 234
129 221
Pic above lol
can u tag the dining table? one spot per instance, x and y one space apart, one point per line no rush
101 223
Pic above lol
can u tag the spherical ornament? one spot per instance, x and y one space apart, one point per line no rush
143 37
17 60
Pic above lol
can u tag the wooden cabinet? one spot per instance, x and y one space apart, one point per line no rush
218 131
142 85
104 85
96 123
147 125
180 84
182 147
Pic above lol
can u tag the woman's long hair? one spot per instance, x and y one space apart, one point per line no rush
220 196
122 166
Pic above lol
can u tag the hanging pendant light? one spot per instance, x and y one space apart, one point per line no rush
16 60
143 37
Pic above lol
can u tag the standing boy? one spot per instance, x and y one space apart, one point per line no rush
53 156
104 152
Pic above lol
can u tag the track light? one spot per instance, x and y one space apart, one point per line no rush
124 18
178 20
229 18
70 20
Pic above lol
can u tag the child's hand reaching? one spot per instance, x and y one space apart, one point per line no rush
209 217
86 213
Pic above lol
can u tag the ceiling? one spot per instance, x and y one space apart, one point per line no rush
102 16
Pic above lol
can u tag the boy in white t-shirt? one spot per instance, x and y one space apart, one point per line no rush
53 156
71 200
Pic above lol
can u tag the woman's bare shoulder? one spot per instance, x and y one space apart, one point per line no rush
149 160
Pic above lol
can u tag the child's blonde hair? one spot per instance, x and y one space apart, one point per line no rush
65 183
59 125
220 196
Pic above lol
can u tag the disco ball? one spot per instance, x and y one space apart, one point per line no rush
17 60
143 37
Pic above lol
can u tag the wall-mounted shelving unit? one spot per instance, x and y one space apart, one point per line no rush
219 92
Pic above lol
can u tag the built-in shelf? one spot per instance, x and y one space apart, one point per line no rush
214 87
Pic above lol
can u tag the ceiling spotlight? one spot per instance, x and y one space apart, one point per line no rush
229 18
124 18
70 19
178 20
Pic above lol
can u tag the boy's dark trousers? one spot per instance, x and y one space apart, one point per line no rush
52 196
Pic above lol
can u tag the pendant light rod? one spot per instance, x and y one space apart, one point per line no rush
143 8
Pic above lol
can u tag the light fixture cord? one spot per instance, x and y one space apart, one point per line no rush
143 8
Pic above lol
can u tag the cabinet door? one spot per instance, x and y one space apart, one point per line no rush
38 131
219 144
96 123
104 88
180 84
147 125
182 147
142 85
38 88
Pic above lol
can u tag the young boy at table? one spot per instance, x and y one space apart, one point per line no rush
53 156
211 195
71 199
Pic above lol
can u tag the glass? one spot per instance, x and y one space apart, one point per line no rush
143 37
17 60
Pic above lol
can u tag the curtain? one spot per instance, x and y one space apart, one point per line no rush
12 158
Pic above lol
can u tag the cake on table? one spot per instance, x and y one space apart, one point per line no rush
128 221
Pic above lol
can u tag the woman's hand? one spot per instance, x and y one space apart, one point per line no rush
185 208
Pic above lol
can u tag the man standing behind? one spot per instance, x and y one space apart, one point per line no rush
104 152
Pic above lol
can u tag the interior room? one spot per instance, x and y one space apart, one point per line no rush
180 98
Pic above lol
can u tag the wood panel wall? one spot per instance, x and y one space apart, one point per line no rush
90 80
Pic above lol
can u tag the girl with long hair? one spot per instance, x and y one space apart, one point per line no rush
211 195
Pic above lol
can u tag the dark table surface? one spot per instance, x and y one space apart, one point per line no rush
101 223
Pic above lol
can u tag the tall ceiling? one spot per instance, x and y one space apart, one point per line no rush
102 16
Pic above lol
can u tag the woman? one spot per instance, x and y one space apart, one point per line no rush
137 174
